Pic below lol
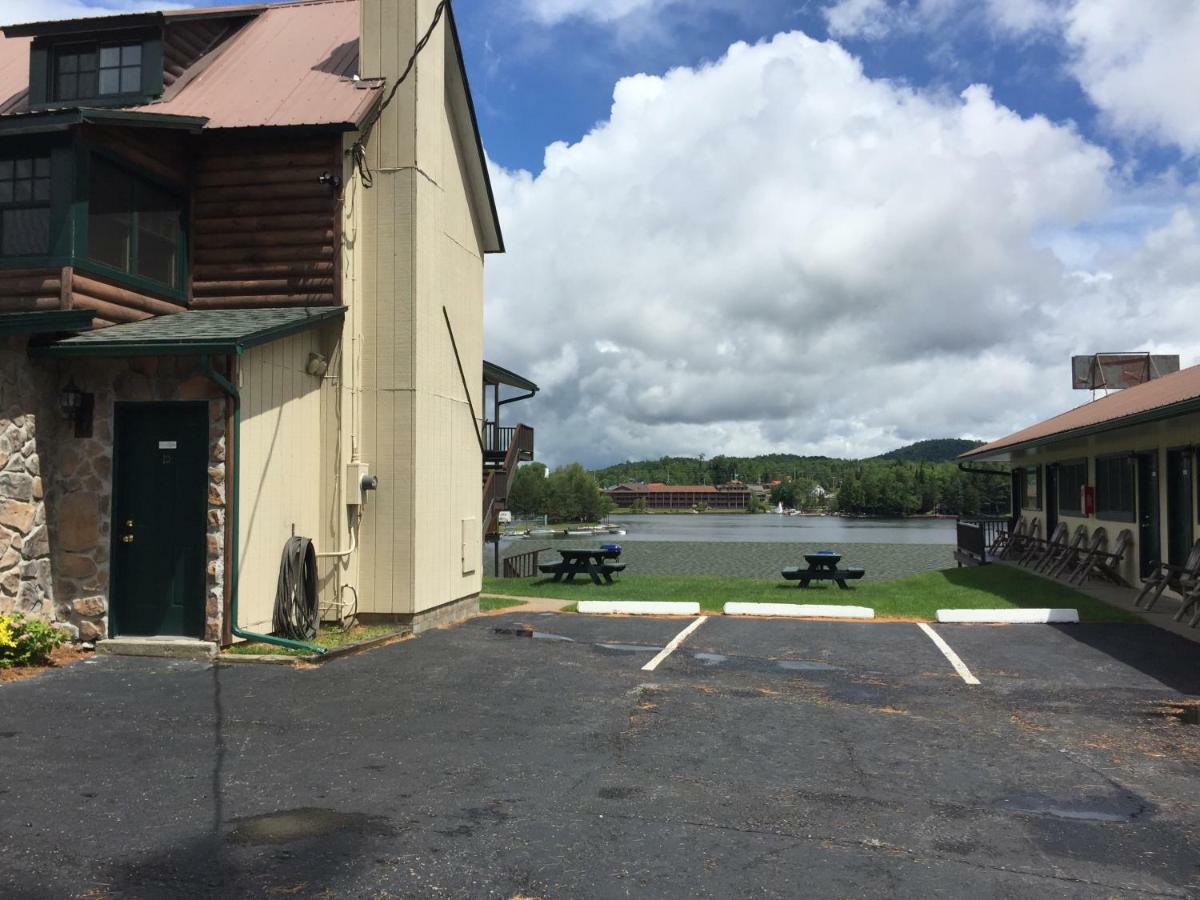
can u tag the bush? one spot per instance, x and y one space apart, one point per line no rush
26 642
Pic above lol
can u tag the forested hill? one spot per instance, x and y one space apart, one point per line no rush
920 478
933 451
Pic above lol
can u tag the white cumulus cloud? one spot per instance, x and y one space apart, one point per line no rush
13 12
1139 63
775 251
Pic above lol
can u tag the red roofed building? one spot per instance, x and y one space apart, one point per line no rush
680 496
241 299
1124 461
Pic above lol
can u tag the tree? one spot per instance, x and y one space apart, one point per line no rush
527 490
785 493
573 495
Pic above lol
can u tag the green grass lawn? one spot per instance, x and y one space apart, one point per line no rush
914 597
330 639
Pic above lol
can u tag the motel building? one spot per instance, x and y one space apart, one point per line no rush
1125 461
241 301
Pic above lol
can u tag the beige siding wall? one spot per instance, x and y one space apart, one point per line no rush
411 247
1156 437
279 466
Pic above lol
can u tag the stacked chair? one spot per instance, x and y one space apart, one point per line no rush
1184 580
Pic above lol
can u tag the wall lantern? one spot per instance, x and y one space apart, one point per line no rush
76 407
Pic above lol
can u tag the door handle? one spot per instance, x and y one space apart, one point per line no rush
128 539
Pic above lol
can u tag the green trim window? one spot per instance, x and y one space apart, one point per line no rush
134 226
25 206
1031 487
1116 482
86 71
1072 477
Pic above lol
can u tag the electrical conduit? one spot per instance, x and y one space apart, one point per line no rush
228 388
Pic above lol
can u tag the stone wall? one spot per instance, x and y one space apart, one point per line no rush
56 489
26 578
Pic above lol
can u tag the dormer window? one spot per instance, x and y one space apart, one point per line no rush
88 71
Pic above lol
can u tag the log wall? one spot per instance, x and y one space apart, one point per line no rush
29 290
264 228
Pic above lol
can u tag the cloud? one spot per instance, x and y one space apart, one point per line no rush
551 12
776 252
1135 60
1138 63
17 11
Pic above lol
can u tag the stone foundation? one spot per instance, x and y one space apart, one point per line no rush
440 616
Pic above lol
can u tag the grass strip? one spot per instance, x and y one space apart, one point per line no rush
491 604
330 639
914 597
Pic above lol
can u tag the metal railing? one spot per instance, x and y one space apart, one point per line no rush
522 565
981 529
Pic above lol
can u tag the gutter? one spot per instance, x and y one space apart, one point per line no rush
228 388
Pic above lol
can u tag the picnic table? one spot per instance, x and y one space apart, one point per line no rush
583 560
823 567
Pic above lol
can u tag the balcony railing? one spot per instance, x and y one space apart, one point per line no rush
977 534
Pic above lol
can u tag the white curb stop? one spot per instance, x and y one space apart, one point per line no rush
638 608
799 610
1009 616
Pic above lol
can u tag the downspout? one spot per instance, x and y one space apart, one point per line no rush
228 388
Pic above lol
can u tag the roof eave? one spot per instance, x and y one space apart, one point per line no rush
85 25
1170 411
497 246
42 121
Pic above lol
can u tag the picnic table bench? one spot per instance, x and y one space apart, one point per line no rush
592 562
823 567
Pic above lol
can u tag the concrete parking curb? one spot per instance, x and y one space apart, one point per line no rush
1009 616
799 610
638 608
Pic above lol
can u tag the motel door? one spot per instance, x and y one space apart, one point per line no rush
1051 500
1149 533
160 504
1180 488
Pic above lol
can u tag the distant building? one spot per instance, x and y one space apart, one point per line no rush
680 496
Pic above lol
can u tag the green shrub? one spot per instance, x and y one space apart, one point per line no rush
26 642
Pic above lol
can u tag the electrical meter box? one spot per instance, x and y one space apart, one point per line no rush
359 480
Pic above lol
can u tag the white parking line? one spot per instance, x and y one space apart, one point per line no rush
675 642
959 666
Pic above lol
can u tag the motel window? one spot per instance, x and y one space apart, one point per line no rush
88 71
133 226
1031 487
25 206
1072 476
1116 480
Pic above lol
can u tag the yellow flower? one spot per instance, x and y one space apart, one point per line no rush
6 635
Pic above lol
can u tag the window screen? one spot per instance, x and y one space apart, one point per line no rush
1072 476
133 225
86 71
1116 479
25 206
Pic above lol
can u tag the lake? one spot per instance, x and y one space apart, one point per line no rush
775 529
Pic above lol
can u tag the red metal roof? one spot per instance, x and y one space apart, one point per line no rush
290 66
1158 398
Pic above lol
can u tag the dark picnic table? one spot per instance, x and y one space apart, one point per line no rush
593 562
823 567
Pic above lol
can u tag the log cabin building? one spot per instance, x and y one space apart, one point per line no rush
241 299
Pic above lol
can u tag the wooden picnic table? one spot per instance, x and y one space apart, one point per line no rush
584 560
823 567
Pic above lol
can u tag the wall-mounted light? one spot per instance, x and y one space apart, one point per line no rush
334 181
76 407
317 365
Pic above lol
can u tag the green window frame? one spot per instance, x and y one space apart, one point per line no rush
1072 477
25 207
86 71
135 227
1031 487
1116 488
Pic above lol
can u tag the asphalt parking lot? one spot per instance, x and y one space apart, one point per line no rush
759 758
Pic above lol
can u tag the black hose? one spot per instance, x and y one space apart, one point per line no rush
296 609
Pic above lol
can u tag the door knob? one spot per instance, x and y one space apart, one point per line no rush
128 539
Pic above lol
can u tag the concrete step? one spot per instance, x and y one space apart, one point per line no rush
166 647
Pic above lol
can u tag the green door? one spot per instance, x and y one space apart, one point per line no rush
1179 505
160 505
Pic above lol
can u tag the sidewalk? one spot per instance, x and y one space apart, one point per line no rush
1162 616
531 604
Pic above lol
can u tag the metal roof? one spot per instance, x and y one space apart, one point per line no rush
63 119
291 66
1163 398
45 321
195 332
494 374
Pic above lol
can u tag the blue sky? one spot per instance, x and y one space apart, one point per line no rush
826 226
